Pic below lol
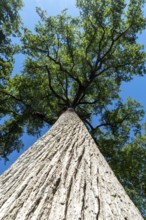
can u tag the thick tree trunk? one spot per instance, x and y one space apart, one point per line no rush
63 176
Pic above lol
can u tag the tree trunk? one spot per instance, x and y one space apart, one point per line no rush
63 176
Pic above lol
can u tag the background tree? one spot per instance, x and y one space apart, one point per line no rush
9 28
81 63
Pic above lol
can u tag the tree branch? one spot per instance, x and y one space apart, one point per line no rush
60 65
89 124
70 50
51 88
12 96
110 124
112 44
29 107
89 103
64 87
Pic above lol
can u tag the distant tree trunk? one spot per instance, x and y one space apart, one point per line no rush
63 176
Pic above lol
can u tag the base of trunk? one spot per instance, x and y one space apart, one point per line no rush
63 176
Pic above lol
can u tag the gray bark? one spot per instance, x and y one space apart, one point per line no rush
63 176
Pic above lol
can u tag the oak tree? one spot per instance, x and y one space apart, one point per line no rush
81 62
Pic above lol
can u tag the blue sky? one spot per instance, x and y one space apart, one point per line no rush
135 89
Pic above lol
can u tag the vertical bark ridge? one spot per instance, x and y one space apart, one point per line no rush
63 176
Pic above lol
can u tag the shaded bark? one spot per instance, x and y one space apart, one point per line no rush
63 176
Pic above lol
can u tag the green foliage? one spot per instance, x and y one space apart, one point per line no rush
80 63
130 168
9 27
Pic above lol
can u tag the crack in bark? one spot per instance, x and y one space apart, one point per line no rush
68 164
97 215
83 200
98 199
33 207
68 197
79 161
56 185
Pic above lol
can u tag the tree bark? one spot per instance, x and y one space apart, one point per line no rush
63 176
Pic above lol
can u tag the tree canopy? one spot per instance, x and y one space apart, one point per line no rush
9 27
80 62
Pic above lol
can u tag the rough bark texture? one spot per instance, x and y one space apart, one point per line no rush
63 176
